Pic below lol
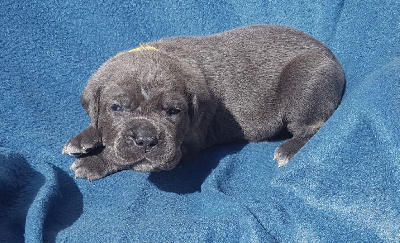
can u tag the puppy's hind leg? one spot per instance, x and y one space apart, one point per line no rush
288 149
310 90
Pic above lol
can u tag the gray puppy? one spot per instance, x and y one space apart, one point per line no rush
153 105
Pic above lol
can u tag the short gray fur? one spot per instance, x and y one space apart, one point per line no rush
149 108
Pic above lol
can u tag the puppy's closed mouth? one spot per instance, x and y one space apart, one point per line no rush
145 165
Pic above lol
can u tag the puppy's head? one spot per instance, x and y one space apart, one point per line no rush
148 105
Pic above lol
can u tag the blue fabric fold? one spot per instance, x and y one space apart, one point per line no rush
343 186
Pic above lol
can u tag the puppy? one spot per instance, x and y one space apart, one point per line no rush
154 104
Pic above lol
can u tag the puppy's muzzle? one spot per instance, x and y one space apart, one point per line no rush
145 137
146 145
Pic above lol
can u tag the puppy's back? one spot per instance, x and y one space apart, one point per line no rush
258 52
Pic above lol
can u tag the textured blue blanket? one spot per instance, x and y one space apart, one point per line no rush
343 186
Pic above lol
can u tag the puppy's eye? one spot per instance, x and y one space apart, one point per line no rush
115 107
173 111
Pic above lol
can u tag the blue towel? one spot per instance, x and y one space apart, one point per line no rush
343 186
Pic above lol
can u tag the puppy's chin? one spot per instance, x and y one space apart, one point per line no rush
161 158
147 165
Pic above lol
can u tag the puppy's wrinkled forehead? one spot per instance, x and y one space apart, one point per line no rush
145 74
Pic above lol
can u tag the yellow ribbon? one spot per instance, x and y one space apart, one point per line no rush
143 47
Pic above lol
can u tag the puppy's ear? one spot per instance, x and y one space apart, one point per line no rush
90 100
202 105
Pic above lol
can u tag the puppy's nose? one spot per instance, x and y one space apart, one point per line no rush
146 140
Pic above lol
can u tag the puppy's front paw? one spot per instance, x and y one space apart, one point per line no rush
83 143
91 168
74 148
